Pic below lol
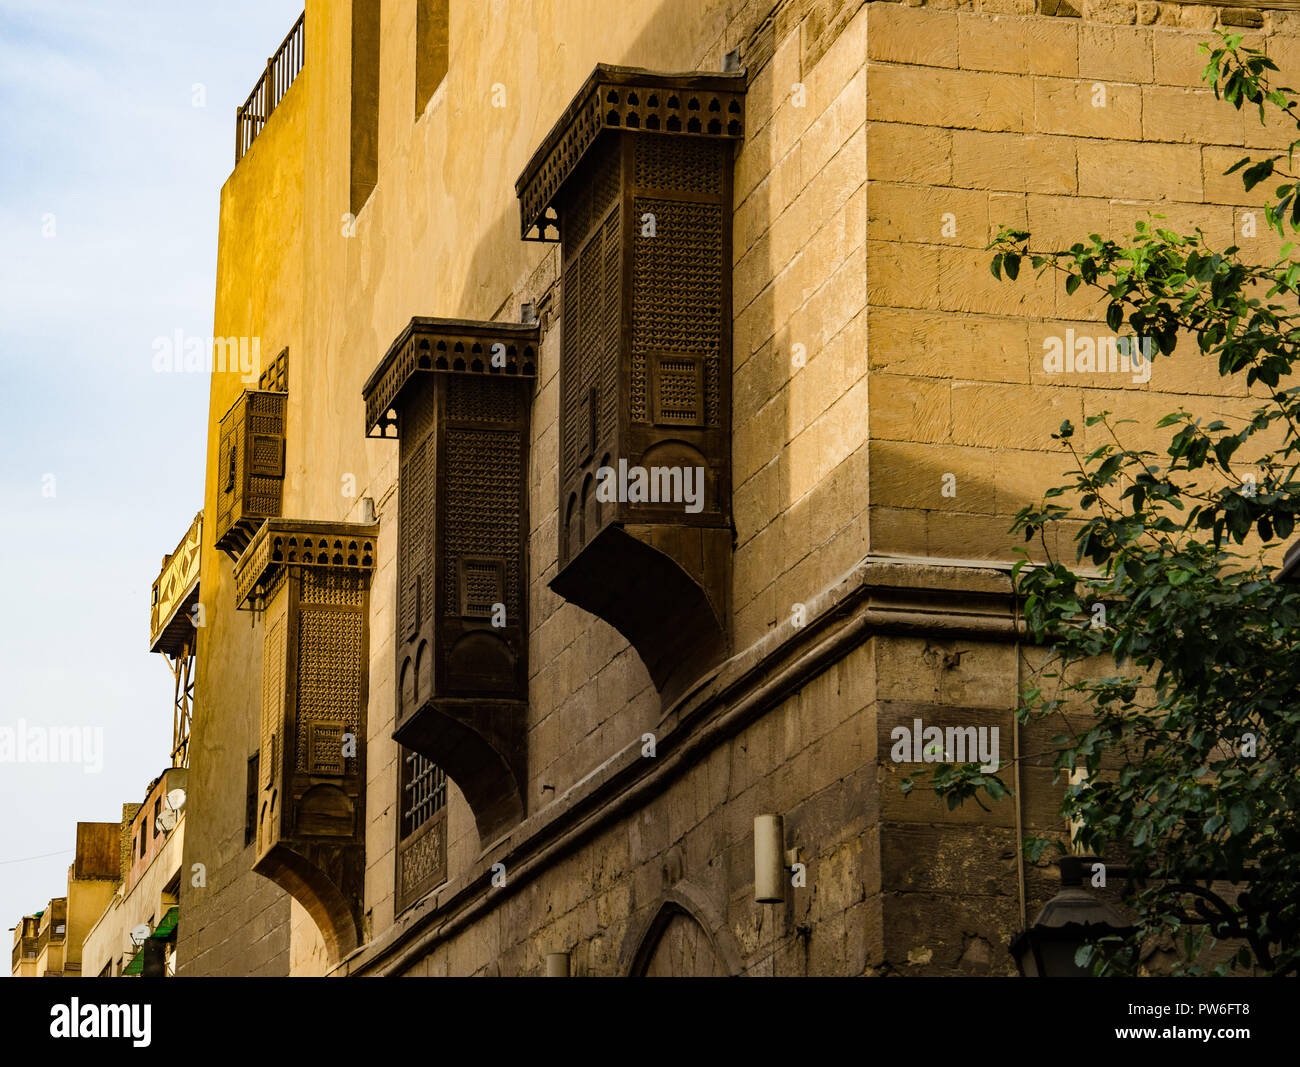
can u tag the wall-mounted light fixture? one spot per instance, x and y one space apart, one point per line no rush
557 965
771 859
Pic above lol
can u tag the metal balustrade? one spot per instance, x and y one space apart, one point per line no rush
281 70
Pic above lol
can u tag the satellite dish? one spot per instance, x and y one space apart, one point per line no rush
139 934
166 821
176 799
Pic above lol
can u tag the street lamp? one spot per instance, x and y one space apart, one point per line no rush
1073 918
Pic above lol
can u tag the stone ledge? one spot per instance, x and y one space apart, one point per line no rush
879 595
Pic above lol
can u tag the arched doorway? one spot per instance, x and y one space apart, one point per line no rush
687 938
683 950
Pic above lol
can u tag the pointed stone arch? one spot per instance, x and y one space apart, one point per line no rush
685 937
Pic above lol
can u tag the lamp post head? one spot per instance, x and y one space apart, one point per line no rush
1073 918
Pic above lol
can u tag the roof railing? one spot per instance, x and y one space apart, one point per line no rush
281 70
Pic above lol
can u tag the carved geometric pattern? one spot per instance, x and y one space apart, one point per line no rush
613 98
480 586
571 373
677 164
325 748
675 278
590 267
341 589
677 391
331 670
612 326
592 289
272 694
267 456
265 412
483 472
660 111
414 500
423 863
475 400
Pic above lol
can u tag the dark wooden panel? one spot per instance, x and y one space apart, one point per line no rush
636 180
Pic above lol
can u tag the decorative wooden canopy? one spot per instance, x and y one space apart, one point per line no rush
282 543
175 592
627 99
450 346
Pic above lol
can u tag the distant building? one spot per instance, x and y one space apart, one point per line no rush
148 896
122 911
26 934
52 940
48 944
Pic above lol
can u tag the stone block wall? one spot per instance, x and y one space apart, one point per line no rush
992 115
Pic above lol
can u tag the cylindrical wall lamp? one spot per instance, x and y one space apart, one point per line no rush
769 859
557 965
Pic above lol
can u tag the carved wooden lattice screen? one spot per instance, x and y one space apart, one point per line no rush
635 181
250 468
312 583
456 396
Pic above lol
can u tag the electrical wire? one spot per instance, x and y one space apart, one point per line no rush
44 856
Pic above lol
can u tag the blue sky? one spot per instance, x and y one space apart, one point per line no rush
116 134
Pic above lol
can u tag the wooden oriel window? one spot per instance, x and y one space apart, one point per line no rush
310 581
635 183
455 395
251 457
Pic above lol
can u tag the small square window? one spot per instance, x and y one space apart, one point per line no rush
482 586
678 390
